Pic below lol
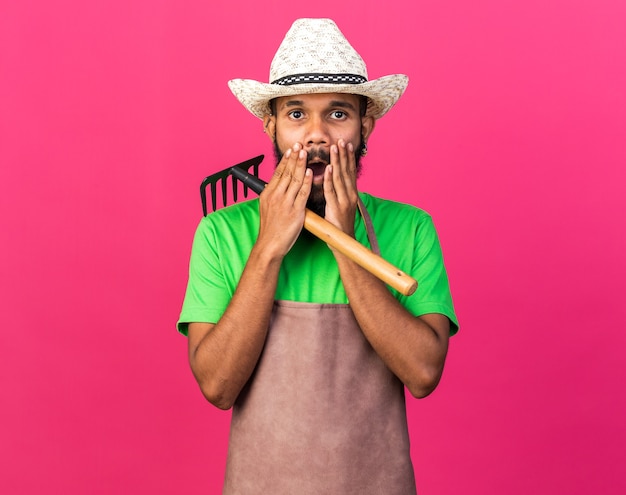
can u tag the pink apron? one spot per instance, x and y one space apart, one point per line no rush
321 413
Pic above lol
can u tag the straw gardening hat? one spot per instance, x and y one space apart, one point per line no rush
315 57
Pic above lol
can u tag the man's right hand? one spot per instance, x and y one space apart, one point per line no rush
283 203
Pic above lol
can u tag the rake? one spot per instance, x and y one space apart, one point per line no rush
315 224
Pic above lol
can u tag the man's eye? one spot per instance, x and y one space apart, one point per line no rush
296 114
338 114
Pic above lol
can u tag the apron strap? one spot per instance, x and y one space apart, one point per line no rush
369 227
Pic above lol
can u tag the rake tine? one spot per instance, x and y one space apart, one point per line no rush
203 196
224 196
211 180
222 177
245 185
214 204
234 184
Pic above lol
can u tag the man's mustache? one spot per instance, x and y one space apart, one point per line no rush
318 155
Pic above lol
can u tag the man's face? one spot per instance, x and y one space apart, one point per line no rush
317 121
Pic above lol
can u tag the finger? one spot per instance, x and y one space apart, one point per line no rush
279 171
348 162
300 165
296 173
349 175
351 163
335 161
305 190
341 177
330 194
286 168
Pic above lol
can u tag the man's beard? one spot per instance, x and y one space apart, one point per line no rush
317 202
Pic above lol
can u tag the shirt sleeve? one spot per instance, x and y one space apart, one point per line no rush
207 294
433 289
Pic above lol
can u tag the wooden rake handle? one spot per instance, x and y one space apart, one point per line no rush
358 253
343 243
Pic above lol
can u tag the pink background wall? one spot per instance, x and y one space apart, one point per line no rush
511 133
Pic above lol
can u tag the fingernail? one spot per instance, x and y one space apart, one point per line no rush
350 147
333 148
342 143
288 153
302 154
296 146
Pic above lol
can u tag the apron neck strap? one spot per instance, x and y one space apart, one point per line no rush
369 227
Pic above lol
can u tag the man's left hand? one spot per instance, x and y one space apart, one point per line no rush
340 189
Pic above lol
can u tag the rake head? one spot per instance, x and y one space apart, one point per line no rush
240 170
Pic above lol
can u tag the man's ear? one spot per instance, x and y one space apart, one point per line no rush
367 127
269 126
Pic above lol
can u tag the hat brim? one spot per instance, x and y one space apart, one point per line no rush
382 93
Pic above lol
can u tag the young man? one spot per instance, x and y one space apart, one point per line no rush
310 350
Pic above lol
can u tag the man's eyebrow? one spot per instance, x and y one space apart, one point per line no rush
294 103
342 104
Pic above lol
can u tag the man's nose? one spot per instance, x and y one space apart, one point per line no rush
317 132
